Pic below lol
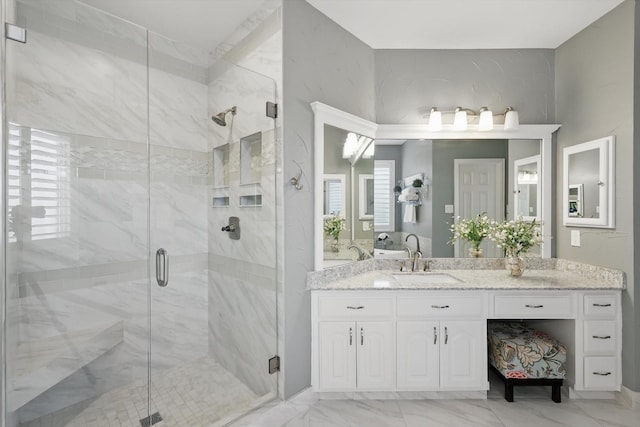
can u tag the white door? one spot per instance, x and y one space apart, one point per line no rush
376 356
463 355
479 188
337 356
418 354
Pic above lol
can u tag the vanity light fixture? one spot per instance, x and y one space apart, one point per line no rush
486 119
435 120
460 119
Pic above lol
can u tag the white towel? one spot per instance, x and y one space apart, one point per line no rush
410 193
409 213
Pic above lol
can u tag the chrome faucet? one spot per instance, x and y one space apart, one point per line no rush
362 254
416 255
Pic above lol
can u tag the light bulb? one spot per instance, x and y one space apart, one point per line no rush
435 120
486 119
511 119
460 119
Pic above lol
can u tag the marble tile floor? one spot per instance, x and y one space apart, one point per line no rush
200 393
532 408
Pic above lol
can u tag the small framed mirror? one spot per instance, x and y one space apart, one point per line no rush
589 187
527 194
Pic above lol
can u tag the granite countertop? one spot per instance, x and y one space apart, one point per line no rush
555 275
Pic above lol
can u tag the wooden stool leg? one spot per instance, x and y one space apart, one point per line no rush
508 391
556 396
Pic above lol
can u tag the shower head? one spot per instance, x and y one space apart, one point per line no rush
219 118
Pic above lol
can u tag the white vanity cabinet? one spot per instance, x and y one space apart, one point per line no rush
398 341
600 342
355 351
436 340
441 341
448 355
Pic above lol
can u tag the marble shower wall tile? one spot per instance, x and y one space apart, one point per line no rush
242 327
178 111
68 87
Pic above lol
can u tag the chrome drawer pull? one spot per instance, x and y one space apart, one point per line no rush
602 337
534 306
435 334
439 306
358 307
604 374
350 336
361 336
601 305
446 335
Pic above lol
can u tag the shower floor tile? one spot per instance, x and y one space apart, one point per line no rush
198 394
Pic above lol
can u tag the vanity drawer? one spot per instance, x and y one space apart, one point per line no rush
441 306
530 306
600 305
600 373
600 337
355 306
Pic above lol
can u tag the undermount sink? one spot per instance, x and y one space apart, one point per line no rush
424 278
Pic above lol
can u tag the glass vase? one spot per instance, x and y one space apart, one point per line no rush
476 253
335 245
515 265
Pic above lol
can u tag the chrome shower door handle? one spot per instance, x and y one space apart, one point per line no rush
162 267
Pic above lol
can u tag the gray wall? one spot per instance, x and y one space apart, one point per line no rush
322 62
444 152
410 82
595 98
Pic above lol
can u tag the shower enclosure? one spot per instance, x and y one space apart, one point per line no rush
124 298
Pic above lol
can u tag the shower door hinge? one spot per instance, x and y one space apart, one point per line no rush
15 33
274 364
272 110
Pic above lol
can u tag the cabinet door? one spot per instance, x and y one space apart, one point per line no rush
463 355
417 355
337 356
376 356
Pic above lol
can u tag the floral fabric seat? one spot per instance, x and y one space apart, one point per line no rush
520 353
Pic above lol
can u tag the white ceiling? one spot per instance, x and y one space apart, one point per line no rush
464 24
382 24
200 23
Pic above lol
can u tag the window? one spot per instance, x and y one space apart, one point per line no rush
38 184
384 172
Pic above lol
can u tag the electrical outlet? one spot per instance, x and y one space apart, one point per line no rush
448 208
575 237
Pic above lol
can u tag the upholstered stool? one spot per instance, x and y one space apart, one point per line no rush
524 356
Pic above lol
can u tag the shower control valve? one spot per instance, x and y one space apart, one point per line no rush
233 228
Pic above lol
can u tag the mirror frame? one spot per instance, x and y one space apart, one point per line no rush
326 115
606 181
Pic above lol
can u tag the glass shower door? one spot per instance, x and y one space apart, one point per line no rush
77 217
213 235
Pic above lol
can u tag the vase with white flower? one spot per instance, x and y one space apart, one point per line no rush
333 225
516 237
473 230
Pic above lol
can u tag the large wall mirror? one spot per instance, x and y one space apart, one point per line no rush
588 184
404 152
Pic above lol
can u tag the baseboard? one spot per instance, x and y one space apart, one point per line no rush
630 398
604 395
402 395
